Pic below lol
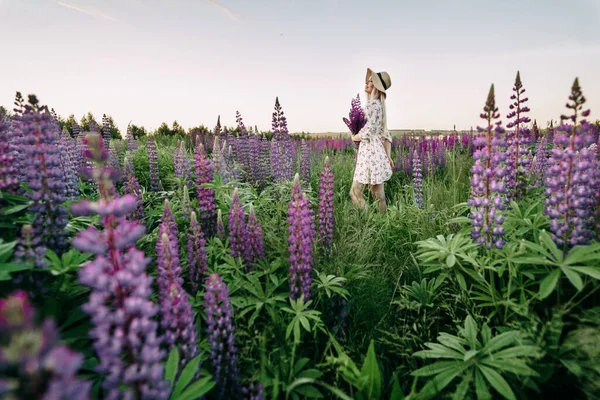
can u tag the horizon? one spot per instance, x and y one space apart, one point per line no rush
153 61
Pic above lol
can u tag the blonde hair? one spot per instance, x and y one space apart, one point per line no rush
377 94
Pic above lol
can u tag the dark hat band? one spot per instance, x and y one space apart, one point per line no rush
382 81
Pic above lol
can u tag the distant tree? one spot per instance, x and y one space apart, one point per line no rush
138 131
164 130
178 129
4 112
87 120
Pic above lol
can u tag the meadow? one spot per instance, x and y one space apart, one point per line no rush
232 264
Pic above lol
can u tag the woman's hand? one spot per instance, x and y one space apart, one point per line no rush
391 162
356 138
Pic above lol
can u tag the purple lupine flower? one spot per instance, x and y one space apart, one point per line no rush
254 250
106 130
177 317
9 181
219 160
254 159
487 188
571 198
265 173
243 150
300 242
237 227
131 144
34 364
356 118
124 332
253 392
167 258
153 164
181 164
68 161
517 140
206 196
541 162
45 177
418 181
221 338
196 253
326 195
186 204
305 164
220 227
132 187
277 160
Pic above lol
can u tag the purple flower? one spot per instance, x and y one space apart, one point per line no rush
571 197
254 250
167 252
206 196
487 187
132 186
326 195
518 139
9 180
253 392
124 331
196 253
33 363
357 119
221 338
300 242
418 181
153 165
305 164
43 173
182 165
237 227
106 130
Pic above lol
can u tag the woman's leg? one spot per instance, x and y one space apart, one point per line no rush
356 194
379 194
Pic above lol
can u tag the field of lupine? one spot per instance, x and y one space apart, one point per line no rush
231 264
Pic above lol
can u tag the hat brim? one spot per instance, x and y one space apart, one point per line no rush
376 81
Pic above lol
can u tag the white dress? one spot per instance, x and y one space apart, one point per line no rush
372 165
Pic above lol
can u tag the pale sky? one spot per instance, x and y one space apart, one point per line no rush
149 61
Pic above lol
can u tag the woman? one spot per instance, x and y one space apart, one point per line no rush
374 163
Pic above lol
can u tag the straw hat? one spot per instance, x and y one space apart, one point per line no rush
381 80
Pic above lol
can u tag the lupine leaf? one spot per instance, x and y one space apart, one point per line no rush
497 382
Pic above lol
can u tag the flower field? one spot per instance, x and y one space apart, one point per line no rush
232 264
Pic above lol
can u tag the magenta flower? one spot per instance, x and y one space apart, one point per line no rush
205 196
124 331
196 253
33 364
300 242
221 338
254 250
326 195
237 227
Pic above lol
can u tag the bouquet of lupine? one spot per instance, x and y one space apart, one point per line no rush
357 118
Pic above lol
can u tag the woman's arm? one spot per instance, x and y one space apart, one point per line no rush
374 119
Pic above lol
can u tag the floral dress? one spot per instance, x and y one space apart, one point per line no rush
372 165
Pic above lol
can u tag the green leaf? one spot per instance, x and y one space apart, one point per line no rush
397 393
187 375
471 331
197 389
574 278
548 285
437 384
370 370
309 391
502 340
298 382
436 368
172 366
463 387
481 388
451 260
594 272
339 393
497 382
310 373
301 363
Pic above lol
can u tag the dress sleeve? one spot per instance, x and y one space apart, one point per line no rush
374 120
